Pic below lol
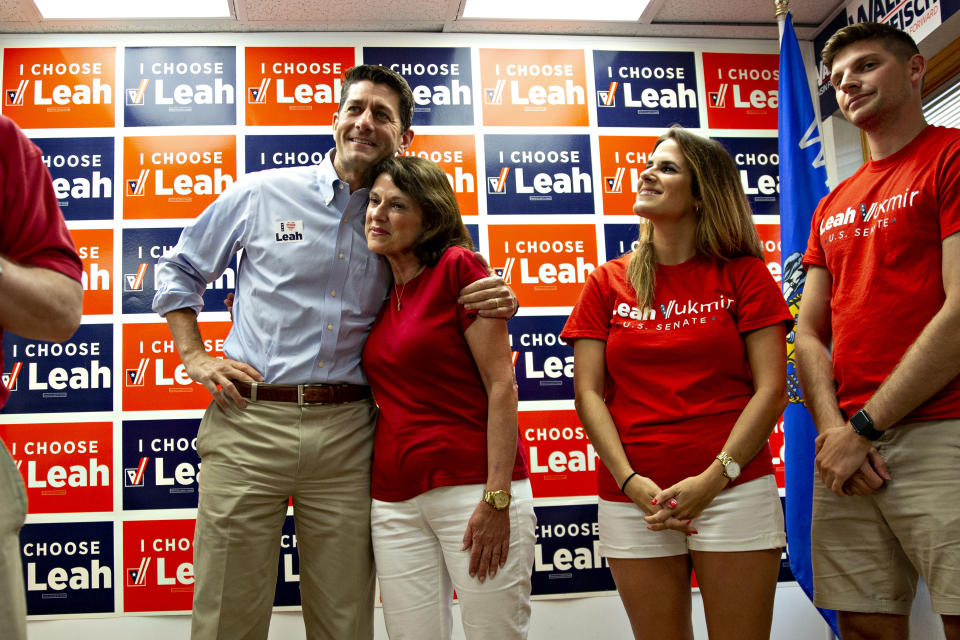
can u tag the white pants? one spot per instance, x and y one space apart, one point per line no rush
419 562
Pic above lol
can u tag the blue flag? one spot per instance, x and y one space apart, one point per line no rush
803 182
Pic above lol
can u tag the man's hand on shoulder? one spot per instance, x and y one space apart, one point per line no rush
490 296
840 453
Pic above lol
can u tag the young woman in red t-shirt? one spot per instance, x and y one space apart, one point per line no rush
680 370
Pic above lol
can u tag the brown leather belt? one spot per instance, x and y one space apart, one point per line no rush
303 393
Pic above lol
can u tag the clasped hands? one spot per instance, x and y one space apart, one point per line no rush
848 463
676 506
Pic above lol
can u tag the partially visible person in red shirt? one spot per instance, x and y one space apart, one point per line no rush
452 504
40 299
680 373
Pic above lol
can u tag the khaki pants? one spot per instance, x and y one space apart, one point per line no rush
252 460
13 511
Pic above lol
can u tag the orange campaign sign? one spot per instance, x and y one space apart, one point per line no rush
457 156
57 87
622 159
295 85
175 176
158 565
534 87
96 251
153 376
770 240
561 459
65 467
546 265
741 90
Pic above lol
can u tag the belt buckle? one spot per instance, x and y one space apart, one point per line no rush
302 402
253 391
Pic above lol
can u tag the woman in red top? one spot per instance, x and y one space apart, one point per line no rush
680 370
452 505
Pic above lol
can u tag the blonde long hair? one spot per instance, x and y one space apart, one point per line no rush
725 228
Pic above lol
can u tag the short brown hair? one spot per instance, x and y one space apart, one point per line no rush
427 184
897 42
381 75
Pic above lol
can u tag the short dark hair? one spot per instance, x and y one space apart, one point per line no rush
427 184
381 75
897 42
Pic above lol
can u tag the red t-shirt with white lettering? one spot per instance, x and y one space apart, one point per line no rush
677 373
32 229
432 428
879 234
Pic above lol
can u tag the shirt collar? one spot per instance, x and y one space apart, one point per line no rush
330 183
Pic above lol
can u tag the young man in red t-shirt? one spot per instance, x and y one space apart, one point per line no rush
878 349
40 296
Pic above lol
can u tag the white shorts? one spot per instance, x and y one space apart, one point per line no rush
747 517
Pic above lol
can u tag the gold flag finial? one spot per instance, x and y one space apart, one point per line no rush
782 6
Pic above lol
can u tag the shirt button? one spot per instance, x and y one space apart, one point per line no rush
330 326
333 294
320 363
340 186
341 256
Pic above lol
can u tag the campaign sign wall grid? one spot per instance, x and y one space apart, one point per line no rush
543 140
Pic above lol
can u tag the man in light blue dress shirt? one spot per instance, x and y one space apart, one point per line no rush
292 414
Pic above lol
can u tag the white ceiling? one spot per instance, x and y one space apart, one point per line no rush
663 18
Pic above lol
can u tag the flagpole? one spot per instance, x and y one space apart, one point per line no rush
781 7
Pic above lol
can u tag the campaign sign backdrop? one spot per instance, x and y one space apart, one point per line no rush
68 568
175 176
161 468
646 88
741 90
141 250
274 152
65 467
546 265
622 160
534 87
294 85
619 239
82 172
544 362
179 86
441 79
562 460
474 231
95 247
153 375
59 87
50 377
546 174
770 240
158 565
457 156
759 165
567 559
288 568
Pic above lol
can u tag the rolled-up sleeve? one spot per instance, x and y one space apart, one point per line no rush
204 250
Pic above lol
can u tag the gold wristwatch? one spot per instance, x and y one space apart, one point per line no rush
731 468
498 499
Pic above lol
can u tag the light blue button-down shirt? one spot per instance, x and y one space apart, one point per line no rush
308 289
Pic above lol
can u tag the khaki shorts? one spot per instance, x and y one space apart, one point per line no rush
868 550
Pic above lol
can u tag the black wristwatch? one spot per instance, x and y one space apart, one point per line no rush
862 423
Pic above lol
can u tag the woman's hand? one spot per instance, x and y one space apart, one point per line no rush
488 539
687 499
643 491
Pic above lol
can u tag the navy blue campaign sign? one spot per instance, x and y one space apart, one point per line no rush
758 162
619 239
76 375
272 152
141 250
68 568
440 77
646 88
287 593
82 172
546 174
161 467
474 231
544 362
179 86
567 558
